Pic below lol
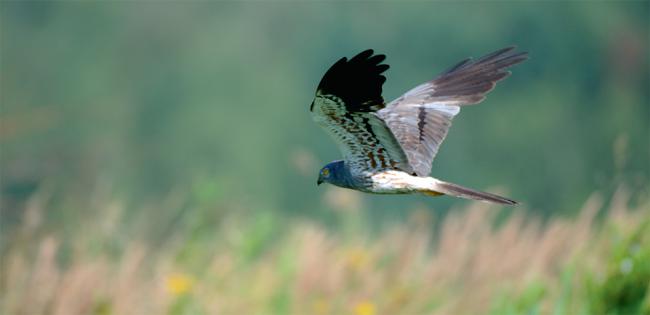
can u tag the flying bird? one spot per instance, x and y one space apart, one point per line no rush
389 148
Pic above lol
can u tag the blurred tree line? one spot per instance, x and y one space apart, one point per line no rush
151 98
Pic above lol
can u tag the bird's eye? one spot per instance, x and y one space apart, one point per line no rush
326 172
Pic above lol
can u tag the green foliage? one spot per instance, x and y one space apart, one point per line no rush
566 295
102 307
528 301
259 236
185 305
623 288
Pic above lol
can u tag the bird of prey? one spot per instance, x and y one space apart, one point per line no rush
389 148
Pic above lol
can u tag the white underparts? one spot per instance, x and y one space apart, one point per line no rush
397 182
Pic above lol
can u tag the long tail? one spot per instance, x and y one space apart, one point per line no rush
440 187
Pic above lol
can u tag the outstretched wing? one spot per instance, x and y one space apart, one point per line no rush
347 99
421 117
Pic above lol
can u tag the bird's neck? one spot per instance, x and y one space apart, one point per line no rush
344 178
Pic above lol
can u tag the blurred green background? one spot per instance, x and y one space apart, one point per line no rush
151 97
160 158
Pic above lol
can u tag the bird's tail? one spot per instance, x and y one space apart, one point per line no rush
438 187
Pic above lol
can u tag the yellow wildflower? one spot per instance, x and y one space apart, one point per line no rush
178 283
358 259
364 308
320 306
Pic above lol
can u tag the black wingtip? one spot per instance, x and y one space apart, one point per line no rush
358 81
363 55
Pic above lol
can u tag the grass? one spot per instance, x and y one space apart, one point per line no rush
194 257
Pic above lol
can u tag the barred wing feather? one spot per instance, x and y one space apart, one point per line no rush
420 119
346 102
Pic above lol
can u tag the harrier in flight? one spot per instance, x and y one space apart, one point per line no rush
388 148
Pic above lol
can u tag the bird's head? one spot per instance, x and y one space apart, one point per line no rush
333 173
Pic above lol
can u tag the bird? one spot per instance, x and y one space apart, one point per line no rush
388 148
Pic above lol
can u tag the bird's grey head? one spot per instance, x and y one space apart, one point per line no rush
335 173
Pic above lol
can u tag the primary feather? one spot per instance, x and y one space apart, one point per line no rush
345 105
420 119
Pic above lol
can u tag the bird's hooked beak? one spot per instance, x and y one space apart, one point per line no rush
319 181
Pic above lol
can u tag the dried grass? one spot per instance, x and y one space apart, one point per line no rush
311 270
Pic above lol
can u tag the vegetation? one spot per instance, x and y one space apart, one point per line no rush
595 263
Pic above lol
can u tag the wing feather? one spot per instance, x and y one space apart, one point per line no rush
346 102
436 102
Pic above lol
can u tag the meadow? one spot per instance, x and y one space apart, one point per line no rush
198 259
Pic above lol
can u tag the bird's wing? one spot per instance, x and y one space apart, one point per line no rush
346 102
421 117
